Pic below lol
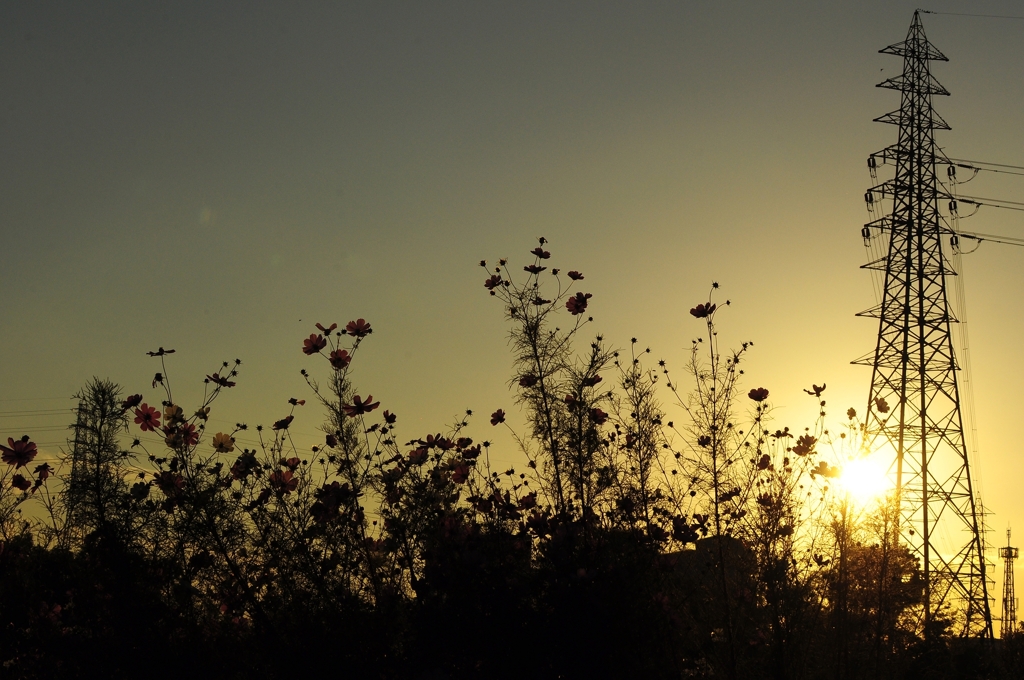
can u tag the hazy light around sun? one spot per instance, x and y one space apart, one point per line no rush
865 479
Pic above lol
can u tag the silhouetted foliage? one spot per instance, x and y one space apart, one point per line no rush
629 545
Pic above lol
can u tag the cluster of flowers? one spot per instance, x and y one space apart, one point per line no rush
18 454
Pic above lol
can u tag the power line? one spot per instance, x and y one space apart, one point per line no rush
964 14
997 165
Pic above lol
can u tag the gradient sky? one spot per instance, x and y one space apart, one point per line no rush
217 177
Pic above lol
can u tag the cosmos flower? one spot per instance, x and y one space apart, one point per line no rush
541 253
169 483
592 380
460 472
575 275
528 381
534 269
359 328
172 414
43 472
131 402
189 436
19 482
703 311
223 443
815 390
283 423
313 344
223 382
390 417
497 417
758 394
359 407
804 445
577 304
283 482
331 440
327 331
18 453
598 416
493 282
340 359
418 456
147 418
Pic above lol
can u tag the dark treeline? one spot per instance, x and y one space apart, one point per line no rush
657 529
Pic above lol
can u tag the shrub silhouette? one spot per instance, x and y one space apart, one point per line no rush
627 546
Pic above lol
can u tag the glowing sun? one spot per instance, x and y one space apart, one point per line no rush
865 479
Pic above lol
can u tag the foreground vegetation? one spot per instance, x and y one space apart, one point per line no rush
658 528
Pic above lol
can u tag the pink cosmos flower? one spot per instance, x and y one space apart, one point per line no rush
359 407
131 402
313 344
18 453
359 328
340 359
327 331
283 482
189 434
460 473
147 418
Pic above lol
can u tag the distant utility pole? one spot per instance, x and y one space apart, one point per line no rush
1009 624
913 409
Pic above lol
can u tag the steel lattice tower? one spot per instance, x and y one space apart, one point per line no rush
1009 623
914 402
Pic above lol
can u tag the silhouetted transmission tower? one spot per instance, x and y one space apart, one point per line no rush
1009 623
914 402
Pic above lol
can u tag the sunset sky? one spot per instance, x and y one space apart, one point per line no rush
218 177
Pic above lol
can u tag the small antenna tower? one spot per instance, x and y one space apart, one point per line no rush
1009 624
914 403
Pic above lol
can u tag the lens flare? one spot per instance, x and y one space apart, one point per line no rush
865 479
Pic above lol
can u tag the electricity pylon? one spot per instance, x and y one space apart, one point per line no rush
1009 622
914 401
